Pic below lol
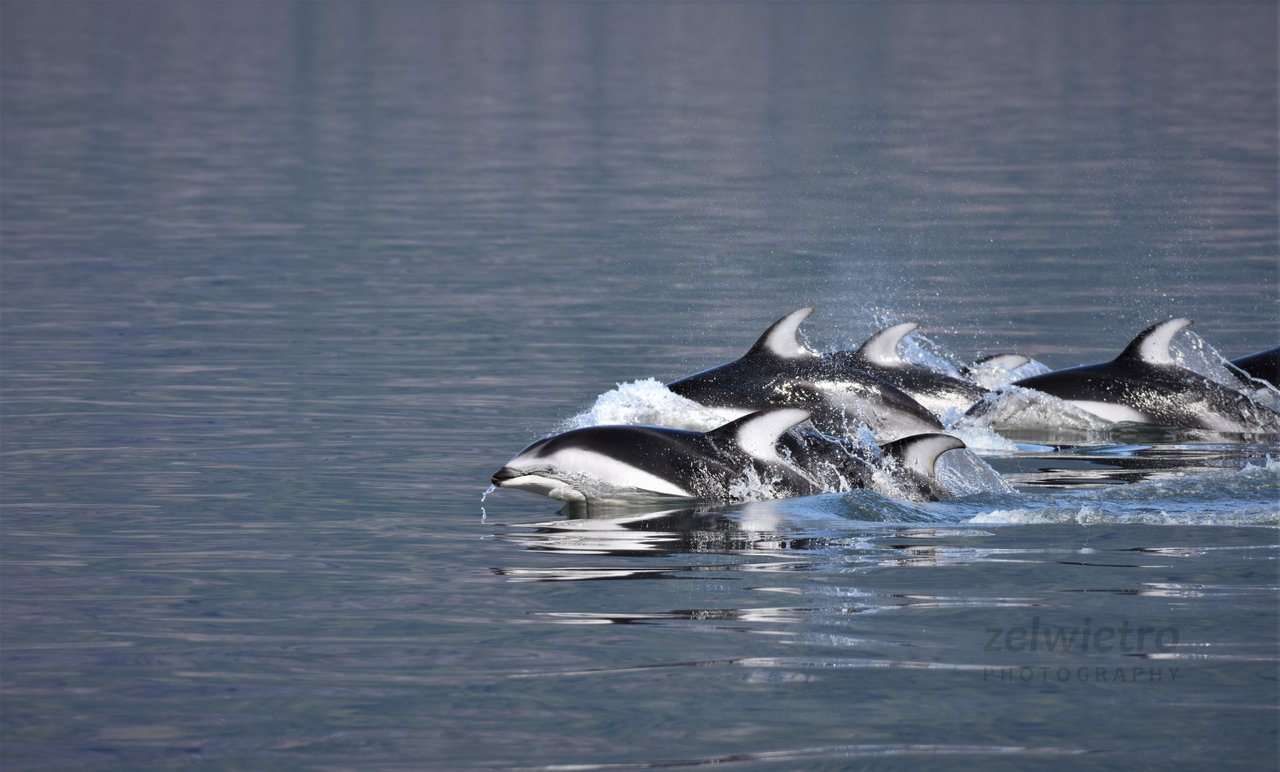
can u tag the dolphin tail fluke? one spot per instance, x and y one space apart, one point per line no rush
920 452
1152 344
882 348
780 339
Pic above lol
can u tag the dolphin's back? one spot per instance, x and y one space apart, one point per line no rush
1264 365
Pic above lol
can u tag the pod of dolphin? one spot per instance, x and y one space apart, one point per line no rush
791 412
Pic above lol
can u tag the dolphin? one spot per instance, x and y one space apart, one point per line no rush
657 463
779 371
1146 385
640 461
842 464
1263 365
935 390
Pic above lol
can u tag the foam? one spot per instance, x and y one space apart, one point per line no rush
1018 407
1180 500
648 402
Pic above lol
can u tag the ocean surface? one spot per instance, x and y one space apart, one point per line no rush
283 284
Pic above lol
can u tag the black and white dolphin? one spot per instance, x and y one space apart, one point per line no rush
725 464
779 371
1146 385
935 390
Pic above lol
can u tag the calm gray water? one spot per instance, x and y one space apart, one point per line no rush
285 283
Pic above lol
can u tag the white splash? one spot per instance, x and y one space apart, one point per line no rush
963 473
648 402
1196 354
1018 407
919 349
976 432
992 375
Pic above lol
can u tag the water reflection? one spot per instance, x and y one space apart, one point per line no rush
749 538
1095 465
1098 483
868 603
757 529
619 532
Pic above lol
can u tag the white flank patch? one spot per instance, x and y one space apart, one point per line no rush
586 463
937 405
1109 411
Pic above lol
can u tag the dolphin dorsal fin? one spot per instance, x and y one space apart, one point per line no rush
920 452
882 348
757 434
1152 344
780 339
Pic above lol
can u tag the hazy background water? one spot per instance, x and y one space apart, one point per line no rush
284 283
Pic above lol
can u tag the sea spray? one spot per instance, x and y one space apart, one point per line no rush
1246 497
647 402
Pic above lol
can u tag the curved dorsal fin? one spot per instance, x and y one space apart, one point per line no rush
919 452
780 339
757 434
1152 344
882 348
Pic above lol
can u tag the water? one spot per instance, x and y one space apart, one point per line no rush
284 284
